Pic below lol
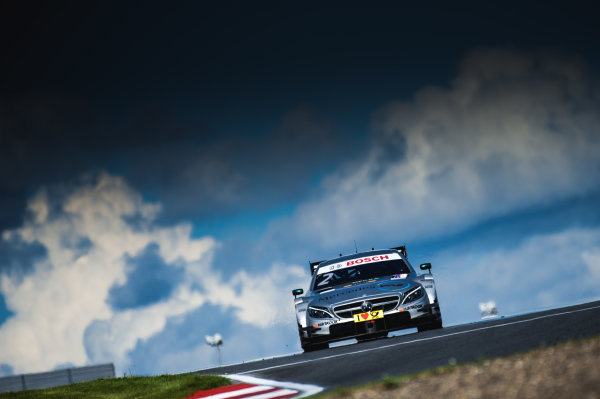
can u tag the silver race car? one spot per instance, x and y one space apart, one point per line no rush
365 296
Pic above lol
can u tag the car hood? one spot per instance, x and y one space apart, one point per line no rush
357 291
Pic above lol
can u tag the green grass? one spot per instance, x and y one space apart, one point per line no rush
159 387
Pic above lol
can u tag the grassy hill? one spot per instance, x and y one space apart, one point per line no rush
159 387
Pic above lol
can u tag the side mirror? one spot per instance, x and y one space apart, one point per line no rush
297 291
426 266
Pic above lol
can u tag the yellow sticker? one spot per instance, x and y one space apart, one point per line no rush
375 314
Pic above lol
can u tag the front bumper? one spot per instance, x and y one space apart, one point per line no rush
391 321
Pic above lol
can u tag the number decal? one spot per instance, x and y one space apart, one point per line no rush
326 278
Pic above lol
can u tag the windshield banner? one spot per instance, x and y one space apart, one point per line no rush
358 261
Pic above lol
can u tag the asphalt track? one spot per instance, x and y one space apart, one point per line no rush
369 361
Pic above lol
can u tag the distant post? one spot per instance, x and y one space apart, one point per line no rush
215 341
488 310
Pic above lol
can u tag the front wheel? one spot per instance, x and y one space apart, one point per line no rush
434 325
372 336
310 347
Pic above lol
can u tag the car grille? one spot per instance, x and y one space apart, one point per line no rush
346 311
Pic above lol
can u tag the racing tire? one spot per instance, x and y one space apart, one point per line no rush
308 347
434 325
373 336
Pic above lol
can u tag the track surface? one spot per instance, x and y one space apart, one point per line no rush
369 361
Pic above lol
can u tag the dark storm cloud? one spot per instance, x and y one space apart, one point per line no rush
36 145
241 172
51 140
149 280
515 130
184 100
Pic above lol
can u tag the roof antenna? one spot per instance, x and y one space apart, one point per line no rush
355 247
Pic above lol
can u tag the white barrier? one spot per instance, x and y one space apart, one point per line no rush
56 378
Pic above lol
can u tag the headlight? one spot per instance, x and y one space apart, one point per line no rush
414 295
319 313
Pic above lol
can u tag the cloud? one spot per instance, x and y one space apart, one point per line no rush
270 289
543 271
48 138
68 289
179 347
110 339
19 256
512 130
591 259
149 280
5 370
105 285
4 312
242 171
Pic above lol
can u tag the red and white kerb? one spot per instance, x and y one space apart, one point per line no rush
238 391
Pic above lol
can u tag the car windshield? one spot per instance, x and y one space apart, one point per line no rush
359 273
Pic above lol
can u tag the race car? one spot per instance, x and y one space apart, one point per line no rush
365 296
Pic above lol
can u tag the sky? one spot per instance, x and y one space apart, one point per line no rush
167 171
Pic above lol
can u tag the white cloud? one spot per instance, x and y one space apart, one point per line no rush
110 340
512 130
270 290
591 260
543 271
60 308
